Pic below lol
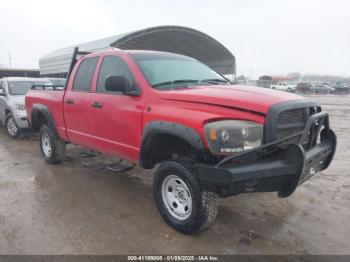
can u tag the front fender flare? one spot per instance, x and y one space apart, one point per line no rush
169 128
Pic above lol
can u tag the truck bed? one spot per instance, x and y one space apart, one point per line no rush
53 100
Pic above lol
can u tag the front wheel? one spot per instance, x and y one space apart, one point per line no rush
52 147
180 200
11 127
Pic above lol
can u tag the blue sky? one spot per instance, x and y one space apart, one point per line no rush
267 37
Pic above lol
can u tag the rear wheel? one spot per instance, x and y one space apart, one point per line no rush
52 147
180 200
11 127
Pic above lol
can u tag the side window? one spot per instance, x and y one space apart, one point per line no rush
2 87
83 77
113 66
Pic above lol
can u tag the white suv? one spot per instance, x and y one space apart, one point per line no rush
12 109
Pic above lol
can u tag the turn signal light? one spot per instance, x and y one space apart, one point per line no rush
213 135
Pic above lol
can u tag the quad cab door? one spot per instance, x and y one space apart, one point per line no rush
77 102
116 116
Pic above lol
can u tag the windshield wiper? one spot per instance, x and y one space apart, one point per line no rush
211 81
175 82
215 81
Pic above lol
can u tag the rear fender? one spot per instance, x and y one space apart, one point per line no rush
38 111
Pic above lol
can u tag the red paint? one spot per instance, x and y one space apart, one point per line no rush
116 128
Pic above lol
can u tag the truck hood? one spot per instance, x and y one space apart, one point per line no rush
250 98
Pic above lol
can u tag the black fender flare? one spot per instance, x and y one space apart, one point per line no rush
169 128
7 109
5 115
38 109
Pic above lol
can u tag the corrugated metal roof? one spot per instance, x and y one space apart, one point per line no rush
176 39
18 69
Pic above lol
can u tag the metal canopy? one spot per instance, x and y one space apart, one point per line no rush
175 39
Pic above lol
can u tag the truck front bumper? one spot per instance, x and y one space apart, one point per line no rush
275 167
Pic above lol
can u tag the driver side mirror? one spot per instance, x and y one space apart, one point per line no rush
2 92
117 84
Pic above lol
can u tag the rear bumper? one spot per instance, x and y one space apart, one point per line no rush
273 167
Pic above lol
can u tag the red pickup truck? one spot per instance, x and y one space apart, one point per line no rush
210 138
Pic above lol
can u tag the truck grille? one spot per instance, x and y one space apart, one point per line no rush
286 119
290 122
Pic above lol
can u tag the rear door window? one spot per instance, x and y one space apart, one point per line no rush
83 77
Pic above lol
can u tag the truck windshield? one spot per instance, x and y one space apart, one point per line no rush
167 71
22 87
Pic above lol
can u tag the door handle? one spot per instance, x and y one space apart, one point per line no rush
69 101
96 105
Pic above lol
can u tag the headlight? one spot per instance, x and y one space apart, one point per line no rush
20 107
233 136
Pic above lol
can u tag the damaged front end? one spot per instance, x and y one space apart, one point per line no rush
277 166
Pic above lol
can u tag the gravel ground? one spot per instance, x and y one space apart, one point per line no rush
80 207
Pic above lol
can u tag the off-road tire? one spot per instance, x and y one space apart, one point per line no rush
10 117
205 204
58 146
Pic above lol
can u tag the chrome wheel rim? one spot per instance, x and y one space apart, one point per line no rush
12 126
46 145
177 197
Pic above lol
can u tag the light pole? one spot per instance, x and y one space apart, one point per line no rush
10 59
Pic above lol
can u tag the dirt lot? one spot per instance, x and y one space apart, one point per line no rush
80 207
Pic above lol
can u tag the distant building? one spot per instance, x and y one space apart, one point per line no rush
267 80
275 78
7 72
